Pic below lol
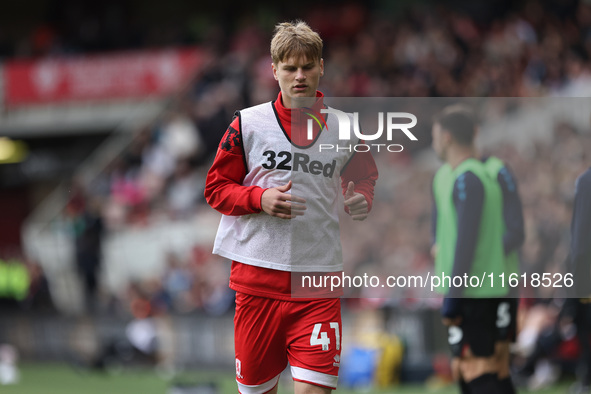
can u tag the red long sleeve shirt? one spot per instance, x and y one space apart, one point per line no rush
225 193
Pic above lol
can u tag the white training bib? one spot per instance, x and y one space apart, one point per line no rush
307 243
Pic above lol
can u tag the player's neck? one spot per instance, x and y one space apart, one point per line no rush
458 155
300 102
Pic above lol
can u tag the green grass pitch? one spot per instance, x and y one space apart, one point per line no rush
63 379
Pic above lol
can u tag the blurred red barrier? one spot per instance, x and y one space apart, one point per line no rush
98 77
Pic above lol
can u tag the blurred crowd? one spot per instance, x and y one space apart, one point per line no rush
507 49
501 48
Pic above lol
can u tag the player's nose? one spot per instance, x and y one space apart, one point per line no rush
300 75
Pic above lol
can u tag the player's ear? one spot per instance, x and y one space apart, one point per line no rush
446 137
274 67
321 67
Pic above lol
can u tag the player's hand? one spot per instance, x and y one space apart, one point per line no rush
434 250
356 202
456 321
276 202
455 369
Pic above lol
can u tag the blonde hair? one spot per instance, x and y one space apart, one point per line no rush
295 39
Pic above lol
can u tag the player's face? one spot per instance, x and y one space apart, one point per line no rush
298 77
439 143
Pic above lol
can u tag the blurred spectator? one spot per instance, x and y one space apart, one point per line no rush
87 226
39 298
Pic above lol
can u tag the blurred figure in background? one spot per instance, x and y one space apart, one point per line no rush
87 226
468 229
578 309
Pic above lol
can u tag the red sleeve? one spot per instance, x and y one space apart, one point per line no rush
362 170
223 186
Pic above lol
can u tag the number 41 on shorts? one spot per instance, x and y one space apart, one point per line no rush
321 338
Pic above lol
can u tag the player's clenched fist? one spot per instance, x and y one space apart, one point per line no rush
356 203
276 202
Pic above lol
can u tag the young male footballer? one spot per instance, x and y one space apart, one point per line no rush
513 238
469 230
279 196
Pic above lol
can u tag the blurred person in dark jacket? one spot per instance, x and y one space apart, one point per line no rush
88 234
